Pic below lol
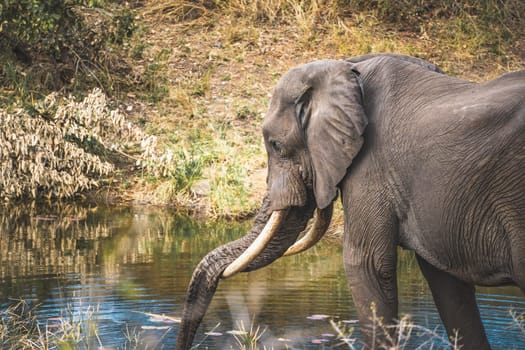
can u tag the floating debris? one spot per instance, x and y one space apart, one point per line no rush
160 318
155 327
319 341
237 332
213 334
284 339
318 317
327 335
350 321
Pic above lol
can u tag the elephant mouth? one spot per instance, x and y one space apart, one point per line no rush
312 235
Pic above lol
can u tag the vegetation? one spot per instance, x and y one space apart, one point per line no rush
162 101
19 329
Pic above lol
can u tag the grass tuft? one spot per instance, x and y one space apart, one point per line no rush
21 330
248 339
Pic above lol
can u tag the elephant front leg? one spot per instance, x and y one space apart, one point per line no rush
370 257
375 298
456 303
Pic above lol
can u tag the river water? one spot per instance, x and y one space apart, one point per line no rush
120 274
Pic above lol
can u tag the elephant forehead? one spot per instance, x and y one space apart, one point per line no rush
294 82
288 90
278 119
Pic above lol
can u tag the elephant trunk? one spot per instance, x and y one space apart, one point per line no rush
209 271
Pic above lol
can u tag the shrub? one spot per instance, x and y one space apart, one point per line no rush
58 148
47 43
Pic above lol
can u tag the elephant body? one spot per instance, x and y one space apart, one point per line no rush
421 160
449 165
440 173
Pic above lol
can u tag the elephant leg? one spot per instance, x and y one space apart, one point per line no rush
377 308
374 291
518 261
370 260
456 303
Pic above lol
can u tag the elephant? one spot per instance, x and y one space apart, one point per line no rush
419 159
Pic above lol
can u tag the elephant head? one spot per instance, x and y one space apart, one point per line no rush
312 131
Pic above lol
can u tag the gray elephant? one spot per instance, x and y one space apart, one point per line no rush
421 160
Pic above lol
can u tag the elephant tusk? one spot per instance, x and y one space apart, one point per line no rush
257 246
315 233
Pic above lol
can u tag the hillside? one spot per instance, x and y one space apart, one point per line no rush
197 76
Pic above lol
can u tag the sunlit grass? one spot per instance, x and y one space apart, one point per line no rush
21 330
248 339
405 335
518 319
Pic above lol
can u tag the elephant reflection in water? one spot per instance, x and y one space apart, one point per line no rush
420 160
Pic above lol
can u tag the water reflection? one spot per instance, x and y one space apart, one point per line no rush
123 265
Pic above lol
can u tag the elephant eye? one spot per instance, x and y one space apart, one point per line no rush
277 146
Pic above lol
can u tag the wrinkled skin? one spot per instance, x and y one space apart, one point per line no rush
421 160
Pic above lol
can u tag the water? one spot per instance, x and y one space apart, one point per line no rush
118 270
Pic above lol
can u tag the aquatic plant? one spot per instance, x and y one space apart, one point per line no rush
21 330
248 339
399 337
518 319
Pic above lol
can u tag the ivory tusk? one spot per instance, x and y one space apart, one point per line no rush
315 233
257 246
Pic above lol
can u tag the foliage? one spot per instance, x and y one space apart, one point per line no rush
56 149
50 44
33 22
415 12
183 166
479 25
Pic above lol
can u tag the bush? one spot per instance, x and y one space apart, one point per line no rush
49 42
59 148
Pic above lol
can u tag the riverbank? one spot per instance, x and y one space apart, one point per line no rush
220 65
194 79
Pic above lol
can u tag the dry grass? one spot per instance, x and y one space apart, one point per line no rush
201 73
20 329
226 58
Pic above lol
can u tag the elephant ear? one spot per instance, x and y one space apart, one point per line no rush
335 127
